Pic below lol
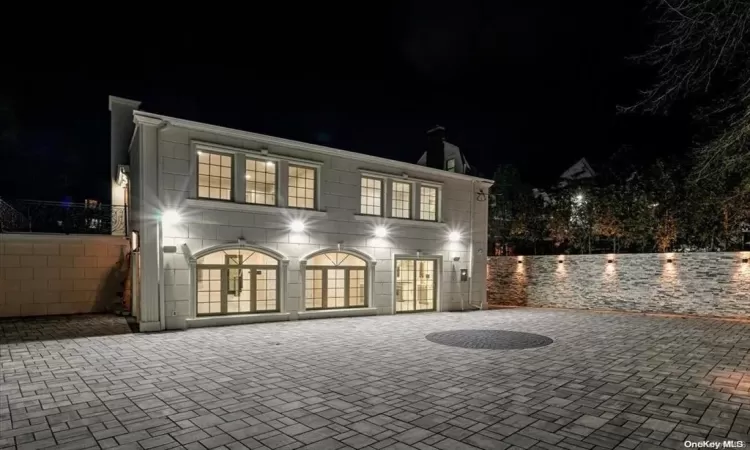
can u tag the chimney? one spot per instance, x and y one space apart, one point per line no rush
436 147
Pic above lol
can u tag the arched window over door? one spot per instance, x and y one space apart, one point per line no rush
237 281
336 280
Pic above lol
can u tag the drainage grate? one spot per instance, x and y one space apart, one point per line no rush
489 339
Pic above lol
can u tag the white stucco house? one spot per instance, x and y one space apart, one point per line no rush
231 227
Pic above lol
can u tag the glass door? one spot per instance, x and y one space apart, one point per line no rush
415 285
237 290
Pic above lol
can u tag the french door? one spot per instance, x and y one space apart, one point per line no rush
416 285
335 287
237 289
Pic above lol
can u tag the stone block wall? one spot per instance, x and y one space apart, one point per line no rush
705 284
57 274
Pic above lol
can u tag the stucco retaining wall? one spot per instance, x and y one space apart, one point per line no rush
43 274
706 284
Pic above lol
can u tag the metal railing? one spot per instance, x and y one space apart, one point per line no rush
34 216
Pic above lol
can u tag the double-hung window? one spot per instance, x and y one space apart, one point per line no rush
401 200
428 203
371 197
260 182
214 176
450 165
301 187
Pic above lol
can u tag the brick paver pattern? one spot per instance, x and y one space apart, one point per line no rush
607 381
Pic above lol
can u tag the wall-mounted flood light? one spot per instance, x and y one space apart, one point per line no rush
454 236
170 217
297 226
381 232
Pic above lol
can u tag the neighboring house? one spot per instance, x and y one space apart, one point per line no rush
441 153
235 227
578 172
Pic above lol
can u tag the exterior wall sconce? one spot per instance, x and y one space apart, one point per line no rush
745 260
559 261
669 260
520 261
610 261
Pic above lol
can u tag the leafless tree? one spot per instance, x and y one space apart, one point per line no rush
702 55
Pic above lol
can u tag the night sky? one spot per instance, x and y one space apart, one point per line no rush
534 84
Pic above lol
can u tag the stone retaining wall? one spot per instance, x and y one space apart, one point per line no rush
706 284
46 274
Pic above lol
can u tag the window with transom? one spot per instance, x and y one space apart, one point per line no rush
335 280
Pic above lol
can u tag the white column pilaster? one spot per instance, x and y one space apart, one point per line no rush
150 311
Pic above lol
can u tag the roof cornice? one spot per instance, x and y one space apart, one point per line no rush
157 119
135 104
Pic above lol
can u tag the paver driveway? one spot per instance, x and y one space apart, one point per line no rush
608 380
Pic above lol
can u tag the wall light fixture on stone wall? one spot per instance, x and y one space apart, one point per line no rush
669 260
610 261
745 260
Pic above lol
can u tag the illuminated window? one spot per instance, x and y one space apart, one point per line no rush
301 187
214 176
401 202
237 281
428 203
450 165
335 280
260 182
371 196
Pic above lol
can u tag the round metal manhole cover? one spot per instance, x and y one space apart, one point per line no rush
489 339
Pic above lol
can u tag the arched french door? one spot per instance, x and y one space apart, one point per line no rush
237 281
337 279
